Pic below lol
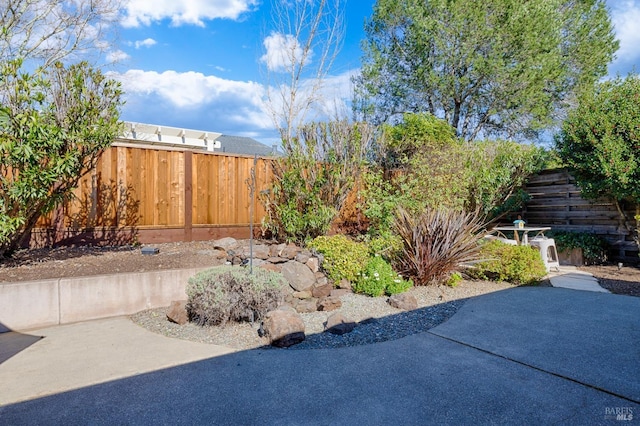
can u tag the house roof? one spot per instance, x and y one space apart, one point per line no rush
153 134
244 145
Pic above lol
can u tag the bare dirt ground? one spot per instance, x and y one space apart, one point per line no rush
64 262
625 280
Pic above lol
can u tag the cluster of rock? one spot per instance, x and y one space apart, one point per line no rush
309 289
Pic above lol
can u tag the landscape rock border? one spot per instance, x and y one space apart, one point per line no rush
309 288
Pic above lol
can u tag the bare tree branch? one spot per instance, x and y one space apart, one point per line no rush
306 39
47 31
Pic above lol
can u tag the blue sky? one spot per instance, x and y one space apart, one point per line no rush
195 64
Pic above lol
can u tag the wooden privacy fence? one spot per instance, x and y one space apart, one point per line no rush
154 194
159 195
556 201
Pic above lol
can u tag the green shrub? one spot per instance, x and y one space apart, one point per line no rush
386 244
514 264
311 182
594 248
296 211
435 243
454 279
343 258
231 293
378 278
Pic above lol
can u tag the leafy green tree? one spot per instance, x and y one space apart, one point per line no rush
56 123
498 170
312 182
422 164
493 68
600 143
418 165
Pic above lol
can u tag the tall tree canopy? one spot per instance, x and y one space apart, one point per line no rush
54 124
505 68
600 141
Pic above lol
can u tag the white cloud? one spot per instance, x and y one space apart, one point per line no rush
117 56
147 42
183 12
282 50
206 102
240 102
626 16
337 94
330 99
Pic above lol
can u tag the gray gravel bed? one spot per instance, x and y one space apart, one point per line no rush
376 320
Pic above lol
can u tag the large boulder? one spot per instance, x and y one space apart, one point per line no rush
290 251
284 328
178 312
339 324
260 251
404 301
339 292
299 276
313 263
226 244
344 284
303 256
271 267
275 250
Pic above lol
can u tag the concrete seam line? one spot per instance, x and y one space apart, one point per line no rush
561 376
59 304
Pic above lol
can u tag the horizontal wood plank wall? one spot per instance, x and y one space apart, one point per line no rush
556 201
160 195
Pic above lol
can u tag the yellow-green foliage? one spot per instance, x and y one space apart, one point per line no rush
386 244
454 279
514 264
343 258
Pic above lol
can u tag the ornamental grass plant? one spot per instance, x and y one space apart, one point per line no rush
435 243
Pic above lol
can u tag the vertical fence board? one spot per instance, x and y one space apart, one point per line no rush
148 188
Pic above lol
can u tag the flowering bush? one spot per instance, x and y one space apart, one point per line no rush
378 278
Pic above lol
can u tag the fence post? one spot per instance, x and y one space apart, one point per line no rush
188 195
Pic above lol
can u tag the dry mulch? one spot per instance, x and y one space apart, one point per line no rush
67 262
625 280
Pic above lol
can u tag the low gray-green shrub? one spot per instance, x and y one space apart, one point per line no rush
378 278
505 262
231 293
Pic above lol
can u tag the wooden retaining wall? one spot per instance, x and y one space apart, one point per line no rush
156 194
556 202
